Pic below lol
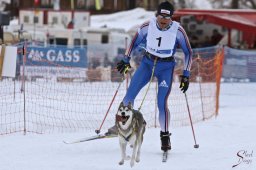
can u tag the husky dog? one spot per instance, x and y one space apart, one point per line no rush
130 128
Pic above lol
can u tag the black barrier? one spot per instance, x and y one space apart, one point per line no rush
4 18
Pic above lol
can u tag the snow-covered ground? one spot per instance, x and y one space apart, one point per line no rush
221 140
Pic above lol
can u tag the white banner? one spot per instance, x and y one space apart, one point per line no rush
49 72
9 63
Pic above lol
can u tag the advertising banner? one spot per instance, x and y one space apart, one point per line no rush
55 61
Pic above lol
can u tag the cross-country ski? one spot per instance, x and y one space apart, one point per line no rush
165 156
100 136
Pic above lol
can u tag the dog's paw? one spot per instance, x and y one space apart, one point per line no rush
132 163
137 159
121 162
127 157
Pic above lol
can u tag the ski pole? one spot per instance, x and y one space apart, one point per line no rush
151 79
119 85
196 145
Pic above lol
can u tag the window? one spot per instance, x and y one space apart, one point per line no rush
36 19
77 41
61 41
58 41
54 20
26 19
104 39
52 41
85 42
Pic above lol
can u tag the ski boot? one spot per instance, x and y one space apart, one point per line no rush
165 141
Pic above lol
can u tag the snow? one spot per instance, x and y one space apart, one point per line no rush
131 19
125 20
220 140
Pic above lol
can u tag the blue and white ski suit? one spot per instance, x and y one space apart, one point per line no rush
160 44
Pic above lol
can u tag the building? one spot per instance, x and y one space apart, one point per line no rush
93 6
238 25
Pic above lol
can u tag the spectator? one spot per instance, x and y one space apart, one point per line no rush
95 62
106 62
216 37
194 41
207 42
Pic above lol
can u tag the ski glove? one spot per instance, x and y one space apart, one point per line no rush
124 65
184 83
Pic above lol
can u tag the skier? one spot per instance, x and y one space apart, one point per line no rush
162 36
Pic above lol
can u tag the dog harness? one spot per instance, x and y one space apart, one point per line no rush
130 130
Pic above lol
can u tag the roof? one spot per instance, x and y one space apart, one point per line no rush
243 20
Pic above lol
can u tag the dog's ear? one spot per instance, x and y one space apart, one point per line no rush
121 104
130 105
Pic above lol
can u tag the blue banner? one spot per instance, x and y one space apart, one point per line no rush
239 64
57 56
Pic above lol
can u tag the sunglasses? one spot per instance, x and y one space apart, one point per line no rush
164 17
